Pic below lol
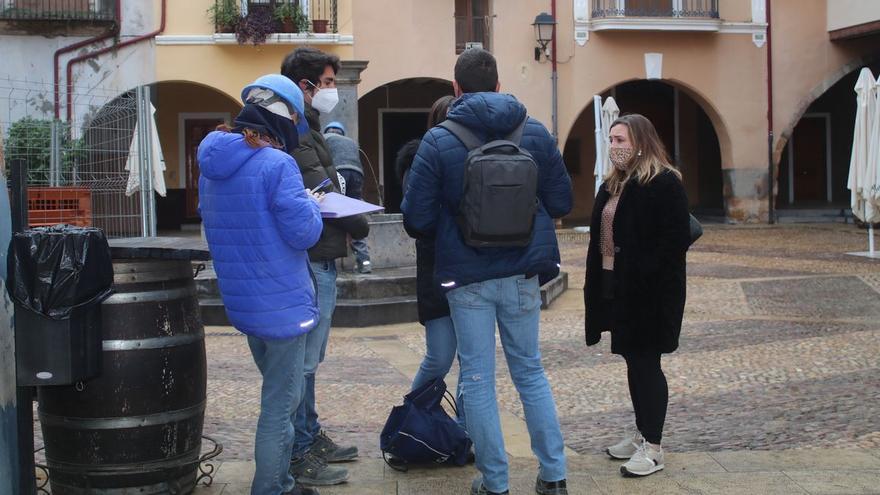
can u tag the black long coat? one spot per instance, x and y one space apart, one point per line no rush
651 238
431 302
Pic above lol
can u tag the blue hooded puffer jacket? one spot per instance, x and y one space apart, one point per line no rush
259 223
435 182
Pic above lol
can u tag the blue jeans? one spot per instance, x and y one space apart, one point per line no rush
515 304
440 350
354 187
306 417
281 364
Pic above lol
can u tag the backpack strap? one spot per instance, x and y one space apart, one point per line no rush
470 140
517 134
465 135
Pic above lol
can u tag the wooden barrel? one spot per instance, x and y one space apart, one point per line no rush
137 427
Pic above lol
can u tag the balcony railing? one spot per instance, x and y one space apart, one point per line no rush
321 15
695 9
469 29
57 10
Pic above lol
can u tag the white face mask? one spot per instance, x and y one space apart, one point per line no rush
325 100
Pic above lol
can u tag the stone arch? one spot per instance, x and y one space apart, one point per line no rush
185 110
388 116
697 114
817 91
811 155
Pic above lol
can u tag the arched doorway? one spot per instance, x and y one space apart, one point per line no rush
685 128
185 113
813 168
388 117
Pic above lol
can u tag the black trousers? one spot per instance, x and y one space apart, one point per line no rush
647 383
649 392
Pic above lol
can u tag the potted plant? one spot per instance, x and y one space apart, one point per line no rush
291 17
225 15
256 26
319 25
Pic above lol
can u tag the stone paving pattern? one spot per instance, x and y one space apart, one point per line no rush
777 370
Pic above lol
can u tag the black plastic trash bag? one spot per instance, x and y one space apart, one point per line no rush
53 270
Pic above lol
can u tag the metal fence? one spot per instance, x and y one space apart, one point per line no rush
81 172
655 8
57 10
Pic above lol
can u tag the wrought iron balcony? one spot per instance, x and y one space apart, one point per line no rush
689 9
299 16
57 10
473 29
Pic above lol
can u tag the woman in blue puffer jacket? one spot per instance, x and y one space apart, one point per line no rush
259 222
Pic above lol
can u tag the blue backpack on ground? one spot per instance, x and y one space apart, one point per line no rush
420 431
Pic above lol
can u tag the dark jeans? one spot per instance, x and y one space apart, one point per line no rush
354 188
649 392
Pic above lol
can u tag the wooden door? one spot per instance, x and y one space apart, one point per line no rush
810 160
194 131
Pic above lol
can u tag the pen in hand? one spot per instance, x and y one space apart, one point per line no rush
324 183
316 193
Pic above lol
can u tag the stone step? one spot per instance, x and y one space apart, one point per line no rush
553 289
349 312
349 285
380 284
385 299
213 312
373 312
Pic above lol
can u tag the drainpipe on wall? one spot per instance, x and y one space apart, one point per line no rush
114 30
771 179
102 51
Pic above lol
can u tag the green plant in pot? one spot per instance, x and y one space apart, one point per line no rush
225 15
291 17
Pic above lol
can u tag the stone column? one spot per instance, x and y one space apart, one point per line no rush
347 80
746 195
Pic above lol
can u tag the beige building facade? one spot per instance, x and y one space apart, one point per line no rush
708 73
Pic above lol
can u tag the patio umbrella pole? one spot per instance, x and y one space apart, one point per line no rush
871 239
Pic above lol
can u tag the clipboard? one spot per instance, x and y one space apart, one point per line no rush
336 205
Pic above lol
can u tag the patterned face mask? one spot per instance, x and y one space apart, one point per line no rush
620 158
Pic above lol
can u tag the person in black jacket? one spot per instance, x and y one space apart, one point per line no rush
440 343
635 283
315 73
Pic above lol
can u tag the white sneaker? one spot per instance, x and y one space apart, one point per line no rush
648 459
625 448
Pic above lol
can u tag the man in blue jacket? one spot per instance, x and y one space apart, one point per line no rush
500 284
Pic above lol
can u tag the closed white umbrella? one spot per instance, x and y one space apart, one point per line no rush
862 176
158 161
610 112
599 168
872 173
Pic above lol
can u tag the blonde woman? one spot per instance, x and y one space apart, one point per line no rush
635 285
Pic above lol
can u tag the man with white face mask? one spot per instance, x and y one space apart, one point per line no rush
315 73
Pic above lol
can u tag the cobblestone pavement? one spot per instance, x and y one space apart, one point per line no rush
780 350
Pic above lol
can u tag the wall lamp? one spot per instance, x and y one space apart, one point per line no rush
544 25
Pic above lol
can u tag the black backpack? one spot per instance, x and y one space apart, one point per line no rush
500 196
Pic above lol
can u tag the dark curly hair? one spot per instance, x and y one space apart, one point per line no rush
308 63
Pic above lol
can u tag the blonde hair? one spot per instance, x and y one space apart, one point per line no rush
253 138
649 155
